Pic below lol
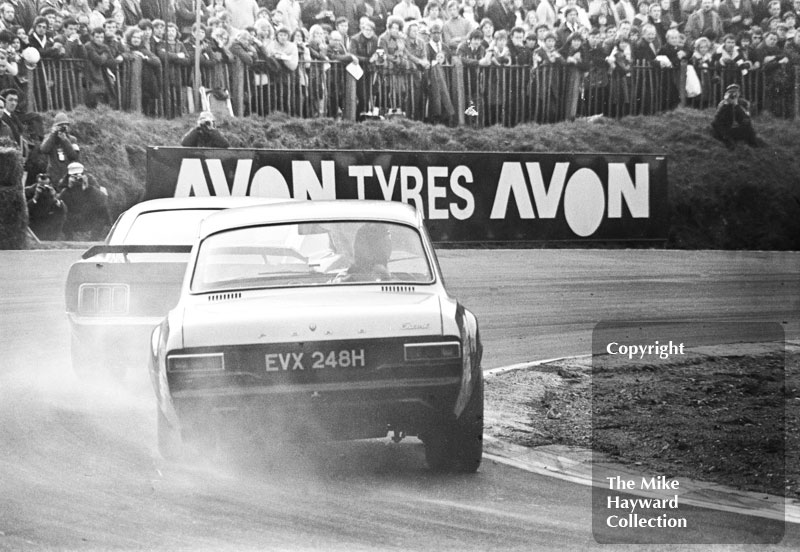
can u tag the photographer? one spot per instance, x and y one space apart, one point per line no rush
732 121
60 147
46 212
205 134
87 204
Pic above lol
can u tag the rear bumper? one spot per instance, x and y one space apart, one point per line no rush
331 410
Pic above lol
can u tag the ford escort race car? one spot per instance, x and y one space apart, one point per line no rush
319 319
120 290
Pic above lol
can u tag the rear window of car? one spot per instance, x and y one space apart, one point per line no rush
175 227
311 254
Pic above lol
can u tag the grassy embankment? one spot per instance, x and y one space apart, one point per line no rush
745 199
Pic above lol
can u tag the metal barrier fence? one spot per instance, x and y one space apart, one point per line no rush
57 84
450 94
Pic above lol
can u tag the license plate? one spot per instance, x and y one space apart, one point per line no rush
315 360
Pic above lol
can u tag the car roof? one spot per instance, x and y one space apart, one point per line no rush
212 204
310 211
209 202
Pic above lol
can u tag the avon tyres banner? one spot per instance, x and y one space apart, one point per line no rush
464 196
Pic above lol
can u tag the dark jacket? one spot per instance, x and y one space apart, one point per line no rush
185 16
87 210
100 59
520 55
671 52
643 51
5 131
46 213
132 10
73 49
501 17
730 115
579 60
204 138
206 53
173 62
470 57
727 12
157 9
47 47
431 53
14 124
363 48
61 150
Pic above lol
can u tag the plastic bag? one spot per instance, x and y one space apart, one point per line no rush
693 87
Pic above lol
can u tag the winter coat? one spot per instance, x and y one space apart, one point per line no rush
101 62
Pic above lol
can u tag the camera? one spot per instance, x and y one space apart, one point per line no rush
381 55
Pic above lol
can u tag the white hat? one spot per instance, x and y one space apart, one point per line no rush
75 168
31 56
205 116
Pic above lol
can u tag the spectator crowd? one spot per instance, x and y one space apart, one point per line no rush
409 43
293 48
515 57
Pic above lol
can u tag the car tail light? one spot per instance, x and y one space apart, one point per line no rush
419 352
103 299
209 362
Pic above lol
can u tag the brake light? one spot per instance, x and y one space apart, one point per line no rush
103 299
418 352
207 362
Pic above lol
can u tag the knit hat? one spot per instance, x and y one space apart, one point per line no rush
61 119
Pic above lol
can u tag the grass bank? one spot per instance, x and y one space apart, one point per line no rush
745 199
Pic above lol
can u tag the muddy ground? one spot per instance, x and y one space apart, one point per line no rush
729 419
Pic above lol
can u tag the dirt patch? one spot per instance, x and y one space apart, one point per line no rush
733 420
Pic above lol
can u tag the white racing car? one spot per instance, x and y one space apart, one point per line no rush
319 319
119 291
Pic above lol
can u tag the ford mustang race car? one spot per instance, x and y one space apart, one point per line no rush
119 291
318 319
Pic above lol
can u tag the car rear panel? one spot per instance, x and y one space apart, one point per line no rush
98 289
308 314
113 307
387 390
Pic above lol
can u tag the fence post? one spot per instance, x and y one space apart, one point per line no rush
30 89
682 83
350 98
135 84
458 88
797 92
574 78
237 87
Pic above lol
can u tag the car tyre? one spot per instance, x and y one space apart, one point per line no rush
458 446
170 444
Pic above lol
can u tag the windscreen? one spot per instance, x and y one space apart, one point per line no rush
311 254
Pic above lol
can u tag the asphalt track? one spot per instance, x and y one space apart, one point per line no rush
79 469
